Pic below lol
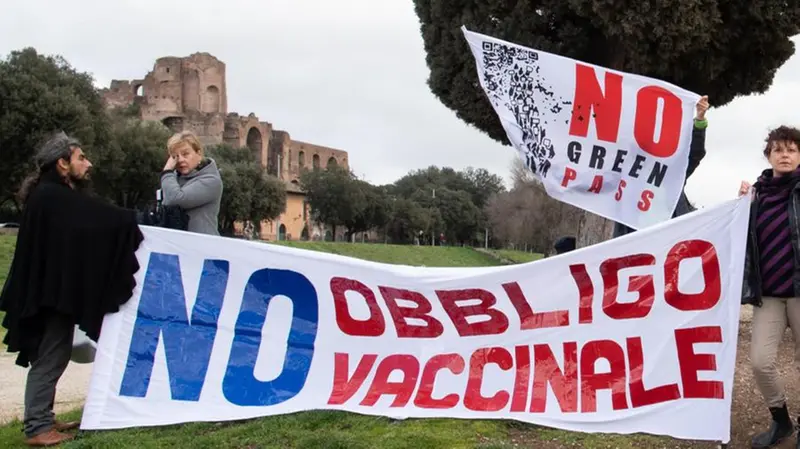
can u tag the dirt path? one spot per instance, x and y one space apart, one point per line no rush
749 414
70 395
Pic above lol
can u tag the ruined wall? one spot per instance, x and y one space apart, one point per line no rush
190 94
248 132
307 155
278 153
204 84
176 91
121 93
163 90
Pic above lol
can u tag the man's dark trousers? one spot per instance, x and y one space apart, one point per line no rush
40 390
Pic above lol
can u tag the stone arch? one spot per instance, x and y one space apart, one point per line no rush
175 124
315 161
138 90
255 143
211 99
331 162
301 159
282 232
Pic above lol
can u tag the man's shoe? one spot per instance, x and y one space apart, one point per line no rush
65 426
50 438
780 428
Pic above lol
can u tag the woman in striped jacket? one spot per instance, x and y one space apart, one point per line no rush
772 274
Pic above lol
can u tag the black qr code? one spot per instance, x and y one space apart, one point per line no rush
512 80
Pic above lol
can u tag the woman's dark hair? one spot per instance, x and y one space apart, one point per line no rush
782 134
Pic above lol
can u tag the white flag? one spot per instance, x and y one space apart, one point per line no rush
613 143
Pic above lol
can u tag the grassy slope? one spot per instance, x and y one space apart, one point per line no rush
517 256
429 256
338 430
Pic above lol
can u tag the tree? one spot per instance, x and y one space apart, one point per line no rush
408 220
248 193
526 217
338 198
231 155
459 197
41 94
722 49
333 196
127 171
482 185
374 213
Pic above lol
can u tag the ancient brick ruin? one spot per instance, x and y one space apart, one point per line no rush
190 94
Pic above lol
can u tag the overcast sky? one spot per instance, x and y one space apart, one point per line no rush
353 79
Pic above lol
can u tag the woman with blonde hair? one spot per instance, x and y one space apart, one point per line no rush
192 182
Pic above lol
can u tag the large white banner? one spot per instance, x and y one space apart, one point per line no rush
613 143
637 334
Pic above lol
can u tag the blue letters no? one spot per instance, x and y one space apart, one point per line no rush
240 385
162 312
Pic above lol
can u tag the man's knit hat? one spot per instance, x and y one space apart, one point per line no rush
58 146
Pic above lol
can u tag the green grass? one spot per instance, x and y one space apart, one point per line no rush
309 430
517 256
6 253
429 256
340 430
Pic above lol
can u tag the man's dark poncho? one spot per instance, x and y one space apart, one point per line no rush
75 255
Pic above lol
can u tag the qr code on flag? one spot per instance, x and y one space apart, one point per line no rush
512 81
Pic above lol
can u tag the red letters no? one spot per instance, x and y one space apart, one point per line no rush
642 284
591 102
644 127
712 291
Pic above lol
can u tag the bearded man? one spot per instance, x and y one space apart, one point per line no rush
74 262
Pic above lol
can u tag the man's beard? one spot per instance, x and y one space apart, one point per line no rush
81 183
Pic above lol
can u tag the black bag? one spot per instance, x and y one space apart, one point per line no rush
172 217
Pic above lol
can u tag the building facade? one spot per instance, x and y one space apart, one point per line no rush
190 93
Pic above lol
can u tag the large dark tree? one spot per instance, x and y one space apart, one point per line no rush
127 171
40 94
459 197
338 198
334 196
719 48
